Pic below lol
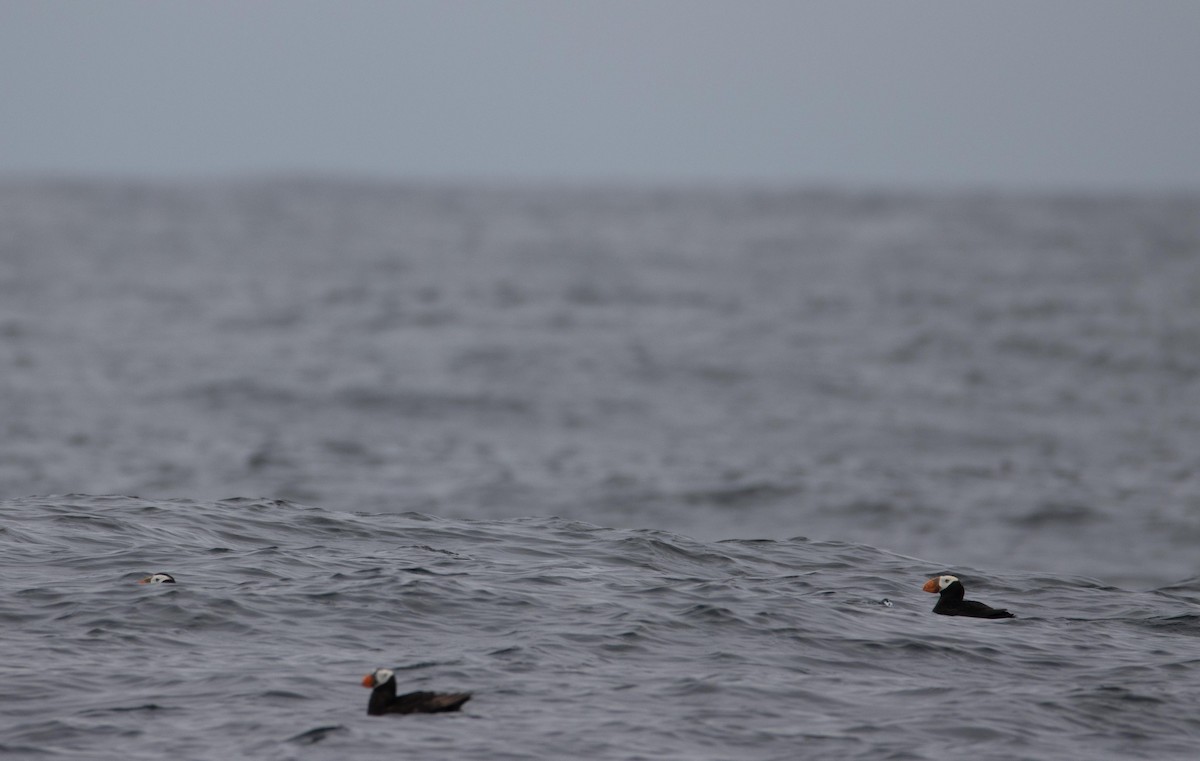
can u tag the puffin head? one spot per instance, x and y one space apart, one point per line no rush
378 677
158 578
938 583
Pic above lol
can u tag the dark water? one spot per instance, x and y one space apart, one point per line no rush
451 379
578 641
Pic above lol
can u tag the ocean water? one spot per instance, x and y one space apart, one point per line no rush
654 472
577 641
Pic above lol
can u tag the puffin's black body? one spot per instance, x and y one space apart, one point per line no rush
384 699
950 602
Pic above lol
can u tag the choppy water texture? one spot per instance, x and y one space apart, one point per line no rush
578 641
1006 386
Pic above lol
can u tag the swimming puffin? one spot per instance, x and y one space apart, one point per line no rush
384 698
951 603
158 578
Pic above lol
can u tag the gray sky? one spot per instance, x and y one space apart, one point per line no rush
1040 93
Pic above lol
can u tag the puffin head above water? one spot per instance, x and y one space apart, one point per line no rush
939 583
158 578
378 677
382 683
950 602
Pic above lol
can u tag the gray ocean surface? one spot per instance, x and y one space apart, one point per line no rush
655 472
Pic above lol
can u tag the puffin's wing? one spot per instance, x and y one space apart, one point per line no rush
428 702
979 610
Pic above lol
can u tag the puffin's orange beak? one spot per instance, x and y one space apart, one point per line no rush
931 585
369 680
144 581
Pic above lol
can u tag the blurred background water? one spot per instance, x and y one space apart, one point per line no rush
1010 381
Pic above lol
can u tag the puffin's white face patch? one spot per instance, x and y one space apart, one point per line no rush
160 578
945 581
382 676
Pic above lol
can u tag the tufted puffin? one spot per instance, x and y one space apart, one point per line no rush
158 578
951 603
384 698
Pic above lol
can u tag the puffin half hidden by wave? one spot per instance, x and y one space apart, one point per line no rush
158 578
385 700
950 602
